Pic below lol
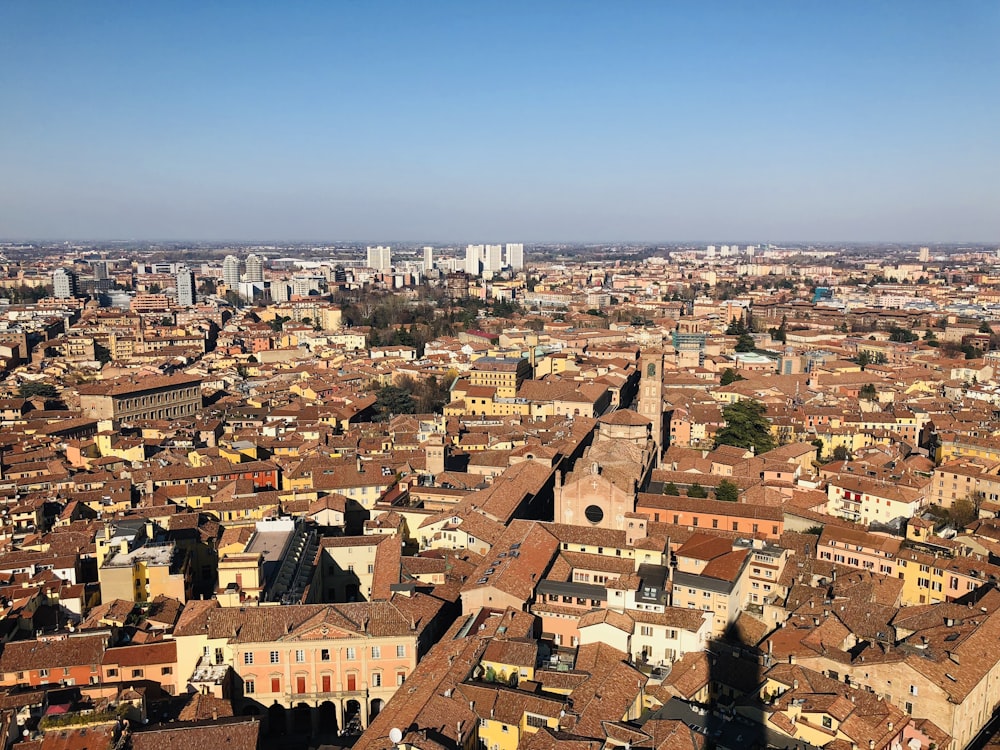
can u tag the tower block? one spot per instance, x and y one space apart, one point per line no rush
651 397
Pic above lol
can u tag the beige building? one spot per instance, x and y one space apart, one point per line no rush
166 397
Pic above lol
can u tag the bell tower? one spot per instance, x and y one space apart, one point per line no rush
651 396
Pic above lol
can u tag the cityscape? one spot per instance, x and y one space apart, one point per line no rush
444 376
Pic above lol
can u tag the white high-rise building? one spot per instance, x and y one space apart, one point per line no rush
380 258
231 272
428 259
186 294
255 268
515 256
925 254
492 259
473 257
63 283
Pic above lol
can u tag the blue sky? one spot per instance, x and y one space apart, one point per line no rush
540 121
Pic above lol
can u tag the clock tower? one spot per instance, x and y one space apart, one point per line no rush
651 396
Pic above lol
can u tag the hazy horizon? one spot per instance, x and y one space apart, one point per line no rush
855 123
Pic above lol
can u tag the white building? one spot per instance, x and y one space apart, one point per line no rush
64 283
515 256
428 258
380 258
493 259
473 258
186 294
255 268
231 271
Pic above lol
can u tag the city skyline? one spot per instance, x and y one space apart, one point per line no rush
569 123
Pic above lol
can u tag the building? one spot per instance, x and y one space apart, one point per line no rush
64 284
651 398
186 294
380 258
162 397
515 256
138 570
341 661
231 271
255 268
473 258
428 258
492 259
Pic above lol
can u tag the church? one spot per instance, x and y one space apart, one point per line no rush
601 490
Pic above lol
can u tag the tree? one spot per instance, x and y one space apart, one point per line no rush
745 343
696 490
727 492
730 376
671 489
840 453
101 353
867 392
154 289
392 399
746 427
819 448
207 287
902 335
32 388
781 332
963 512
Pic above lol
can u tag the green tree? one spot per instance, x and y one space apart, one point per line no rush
745 343
964 511
781 332
696 490
819 448
392 399
746 427
730 376
840 453
727 492
32 388
903 335
102 353
207 287
671 489
867 392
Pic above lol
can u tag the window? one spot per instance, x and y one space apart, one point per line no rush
248 657
249 687
536 721
275 684
300 655
137 673
400 652
166 670
376 679
111 673
909 707
400 678
43 673
913 689
371 569
350 653
376 652
482 722
275 657
324 654
646 630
